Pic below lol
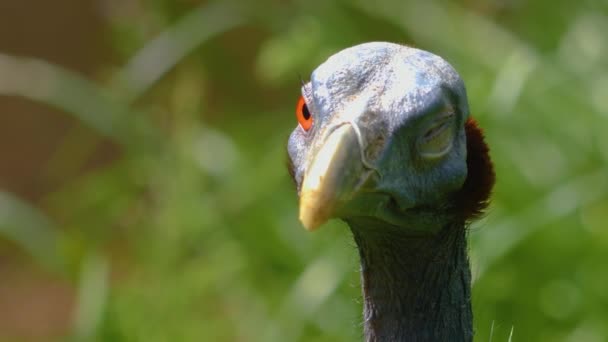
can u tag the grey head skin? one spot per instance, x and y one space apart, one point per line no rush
391 151
387 135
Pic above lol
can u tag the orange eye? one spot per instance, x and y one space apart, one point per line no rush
303 114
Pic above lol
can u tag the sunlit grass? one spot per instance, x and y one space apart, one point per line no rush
191 233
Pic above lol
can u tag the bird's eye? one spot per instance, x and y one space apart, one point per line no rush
303 114
438 138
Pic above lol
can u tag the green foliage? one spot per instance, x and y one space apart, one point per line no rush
192 233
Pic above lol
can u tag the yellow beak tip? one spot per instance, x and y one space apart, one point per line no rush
324 184
311 214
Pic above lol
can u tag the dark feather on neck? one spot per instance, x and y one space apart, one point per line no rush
473 198
415 287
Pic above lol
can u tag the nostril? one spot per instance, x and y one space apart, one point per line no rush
363 146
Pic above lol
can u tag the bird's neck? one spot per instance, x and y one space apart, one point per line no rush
415 288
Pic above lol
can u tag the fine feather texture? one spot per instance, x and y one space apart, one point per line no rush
415 288
473 198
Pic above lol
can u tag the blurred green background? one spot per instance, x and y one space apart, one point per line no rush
143 188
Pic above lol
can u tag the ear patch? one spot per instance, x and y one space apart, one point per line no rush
474 196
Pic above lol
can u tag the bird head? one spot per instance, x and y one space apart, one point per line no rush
381 137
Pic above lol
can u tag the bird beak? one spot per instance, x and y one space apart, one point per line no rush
332 177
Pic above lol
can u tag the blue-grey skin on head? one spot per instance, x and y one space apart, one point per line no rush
387 136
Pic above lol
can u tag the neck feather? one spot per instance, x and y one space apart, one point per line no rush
415 287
